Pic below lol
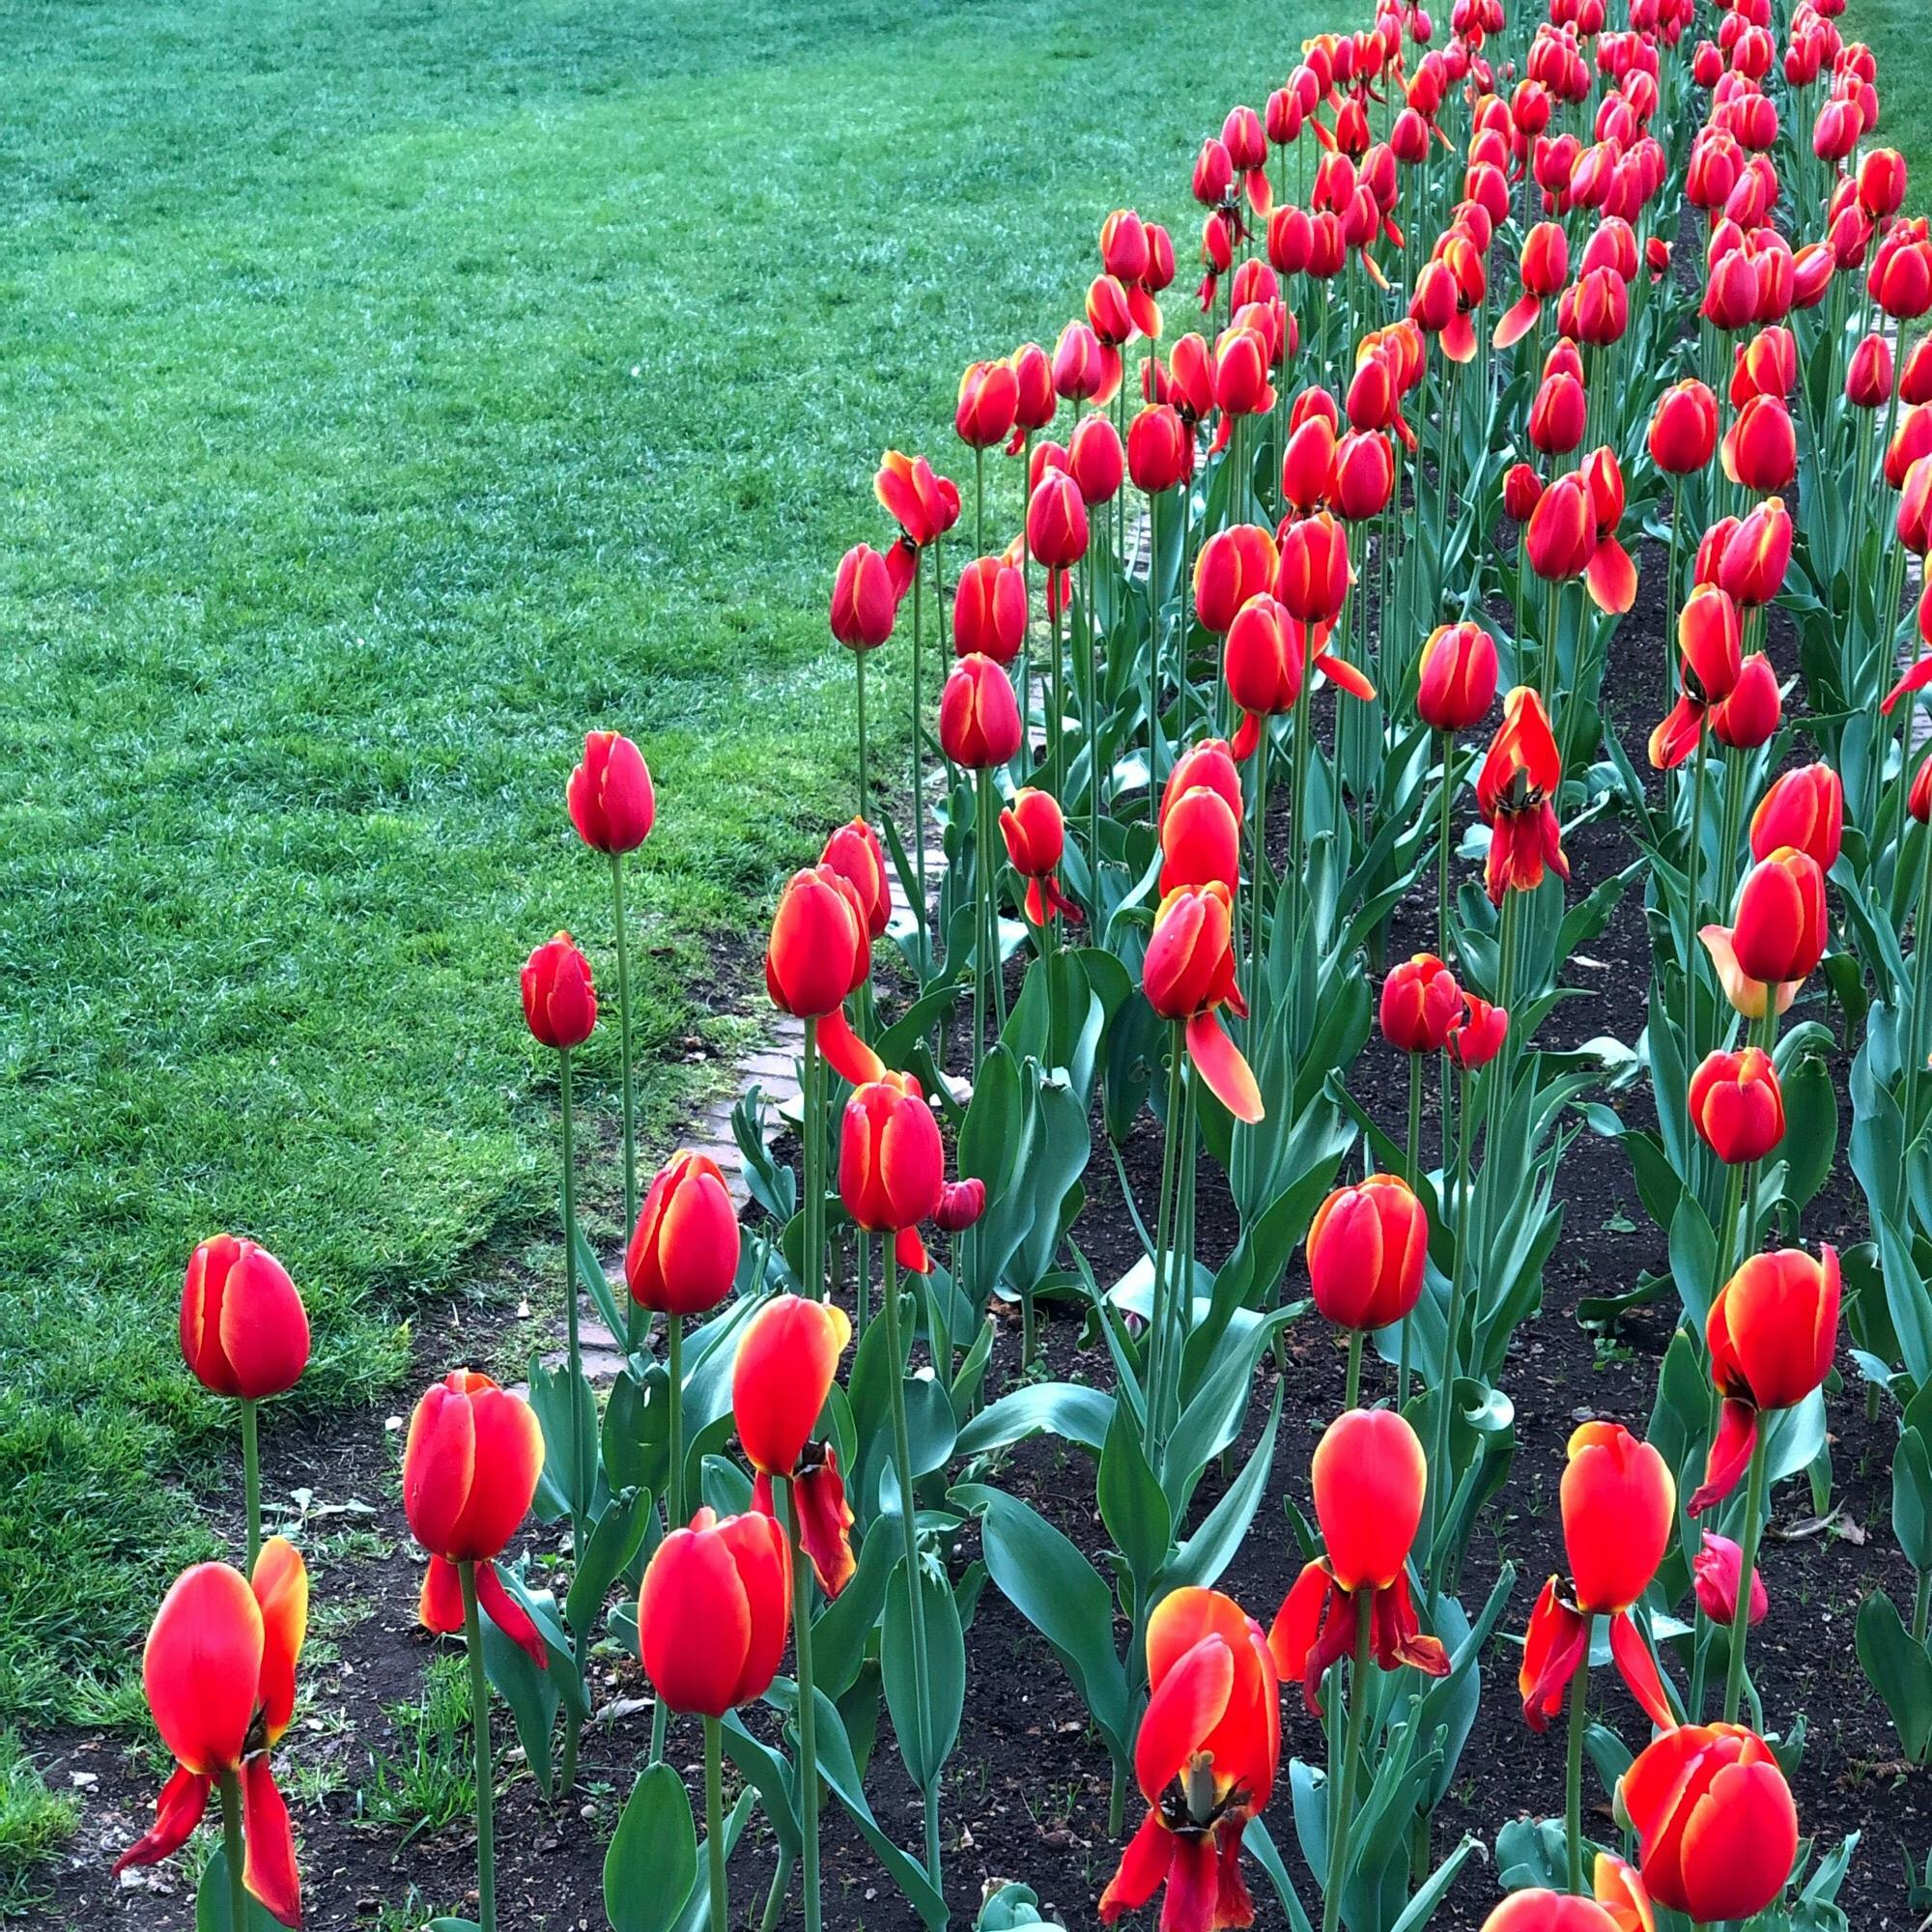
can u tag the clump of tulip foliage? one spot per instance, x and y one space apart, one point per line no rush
1271 602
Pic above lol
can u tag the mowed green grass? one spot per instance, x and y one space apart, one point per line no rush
1896 32
391 391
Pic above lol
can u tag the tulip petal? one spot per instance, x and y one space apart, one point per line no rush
440 1602
1916 679
1555 1647
910 1252
281 1589
1398 1635
1187 1705
178 1810
1344 676
1459 338
270 1869
825 1524
439 1466
1517 320
1738 1841
509 1616
1730 1454
1611 576
845 1052
1142 1866
1193 1887
1229 1076
202 1664
1638 1671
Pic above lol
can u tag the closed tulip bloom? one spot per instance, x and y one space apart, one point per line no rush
924 505
1767 365
1562 530
1618 1502
1760 450
1457 679
1055 521
1900 276
978 716
220 1675
1737 1106
1200 843
988 399
1478 1033
1880 178
865 599
610 794
891 1163
683 1255
1717 1830
1522 490
1757 553
1124 246
1204 1758
820 947
1308 463
1537 1909
1709 634
560 1002
1187 973
1035 837
1750 717
1779 932
471 1464
1363 478
1312 576
1160 449
1914 521
1805 809
989 609
1080 364
1869 374
1773 1330
1915 379
1241 386
1542 267
1420 1003
1556 414
1232 566
1684 428
1912 440
779 1381
243 1330
1210 763
1370 1478
1034 400
1716 1571
1263 663
714 1612
1367 1246
1611 573
854 852
1095 460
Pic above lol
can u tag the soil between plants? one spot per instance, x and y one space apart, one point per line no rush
1027 1789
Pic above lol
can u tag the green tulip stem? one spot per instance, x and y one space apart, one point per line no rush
1694 898
808 1716
1670 608
624 1048
923 911
1747 1538
234 1846
1572 1783
674 1511
714 1819
1440 1485
1337 1875
251 1479
1353 1391
1158 1321
577 1428
865 780
895 1371
1922 944
479 1720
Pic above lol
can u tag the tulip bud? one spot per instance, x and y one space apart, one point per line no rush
1312 578
1522 490
1369 1477
865 599
1055 521
1457 677
560 1002
1200 843
1362 482
961 1203
1761 448
1737 1105
1124 246
1558 414
714 1612
1035 401
244 1329
1562 530
891 1162
1209 763
1779 931
1308 462
1367 1246
978 716
1420 1003
989 610
1869 374
1757 555
1750 717
1094 459
1715 1569
1232 566
683 1255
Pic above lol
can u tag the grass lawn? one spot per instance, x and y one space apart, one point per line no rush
1896 32
391 393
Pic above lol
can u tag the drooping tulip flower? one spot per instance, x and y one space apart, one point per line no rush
1805 809
1514 787
1187 973
819 952
1684 428
1750 717
1036 838
243 1330
1204 1759
1716 1571
714 1612
788 1357
1420 1003
1771 1330
1456 677
471 1464
1200 840
924 505
1618 1502
1737 1105
1717 1830
1367 1247
560 1002
978 716
610 795
683 1254
853 851
219 1674
1369 1480
989 609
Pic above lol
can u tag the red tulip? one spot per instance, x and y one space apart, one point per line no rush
1869 374
1362 481
1241 386
1308 462
683 1255
1558 414
1055 521
610 794
1755 559
1160 449
1737 1106
1367 1247
989 609
1518 779
988 400
1369 1476
1803 808
1420 1003
1232 566
1200 842
978 716
1773 1329
1124 246
1035 835
1779 932
714 1612
891 1164
1188 972
1750 717
471 1464
1562 530
243 1330
1478 1035
854 852
1684 428
1544 267
220 1673
1881 178
560 1002
1262 665
1536 1909
1716 1571
1209 763
786 1363
1522 490
865 600
1204 1759
1081 366
820 947
1457 677
1760 450
1709 634
924 505
1094 459
1035 402
1716 1827
1610 573
1312 576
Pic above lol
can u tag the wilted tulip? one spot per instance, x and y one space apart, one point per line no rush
471 1464
1737 1106
560 1002
1478 1035
1367 1246
1717 1830
219 1674
610 794
1518 780
1716 1571
683 1254
922 504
